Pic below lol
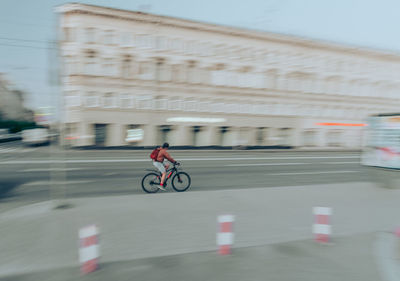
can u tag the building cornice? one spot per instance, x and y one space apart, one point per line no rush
223 30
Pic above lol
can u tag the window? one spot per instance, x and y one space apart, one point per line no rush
217 77
91 100
126 68
192 76
108 37
144 102
109 67
204 106
72 99
174 104
161 43
109 100
161 104
146 70
70 65
145 41
90 62
178 73
178 45
260 108
213 107
190 105
126 39
90 35
163 71
69 34
126 101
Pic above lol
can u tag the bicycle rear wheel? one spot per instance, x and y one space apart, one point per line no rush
181 181
150 182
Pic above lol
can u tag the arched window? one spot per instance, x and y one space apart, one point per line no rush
90 62
126 69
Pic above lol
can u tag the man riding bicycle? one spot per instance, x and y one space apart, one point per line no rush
160 162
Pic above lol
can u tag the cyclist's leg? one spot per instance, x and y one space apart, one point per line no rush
162 170
166 164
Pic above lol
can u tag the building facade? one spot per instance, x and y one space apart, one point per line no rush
191 83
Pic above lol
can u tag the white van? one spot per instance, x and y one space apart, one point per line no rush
35 136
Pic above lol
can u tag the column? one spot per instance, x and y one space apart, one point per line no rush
181 135
295 138
85 134
273 136
114 135
247 136
208 135
231 137
320 138
150 135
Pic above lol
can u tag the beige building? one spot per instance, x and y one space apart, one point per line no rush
192 83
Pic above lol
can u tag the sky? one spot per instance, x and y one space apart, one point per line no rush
27 27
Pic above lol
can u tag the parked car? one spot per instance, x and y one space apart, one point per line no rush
37 136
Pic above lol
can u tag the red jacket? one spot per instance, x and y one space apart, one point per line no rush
162 154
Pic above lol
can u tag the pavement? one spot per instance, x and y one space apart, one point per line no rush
171 236
299 260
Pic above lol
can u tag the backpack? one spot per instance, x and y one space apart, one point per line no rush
154 153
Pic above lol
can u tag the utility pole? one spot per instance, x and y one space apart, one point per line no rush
57 188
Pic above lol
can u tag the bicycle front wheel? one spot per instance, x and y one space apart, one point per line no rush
181 181
150 183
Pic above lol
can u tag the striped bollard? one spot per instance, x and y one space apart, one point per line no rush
225 234
89 249
397 232
322 227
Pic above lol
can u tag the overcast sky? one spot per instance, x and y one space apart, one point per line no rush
26 27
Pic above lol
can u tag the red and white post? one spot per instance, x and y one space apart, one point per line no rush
225 234
89 249
322 228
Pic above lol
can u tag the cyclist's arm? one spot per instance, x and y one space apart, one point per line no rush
169 157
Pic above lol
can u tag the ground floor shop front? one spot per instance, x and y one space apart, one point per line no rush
110 129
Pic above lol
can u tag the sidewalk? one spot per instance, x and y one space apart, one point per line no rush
38 238
349 259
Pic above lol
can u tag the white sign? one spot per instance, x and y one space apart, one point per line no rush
134 135
382 139
196 119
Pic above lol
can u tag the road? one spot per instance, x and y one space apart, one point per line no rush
34 174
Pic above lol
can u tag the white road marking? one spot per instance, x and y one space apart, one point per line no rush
311 173
265 164
7 150
284 164
39 183
50 170
16 150
327 163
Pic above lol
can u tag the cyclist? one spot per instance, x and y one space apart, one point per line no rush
161 163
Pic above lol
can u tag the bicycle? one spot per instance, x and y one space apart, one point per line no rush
180 180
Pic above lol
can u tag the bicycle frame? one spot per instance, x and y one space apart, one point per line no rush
170 172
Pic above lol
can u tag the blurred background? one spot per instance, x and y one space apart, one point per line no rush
270 106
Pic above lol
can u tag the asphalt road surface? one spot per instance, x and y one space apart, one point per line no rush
34 174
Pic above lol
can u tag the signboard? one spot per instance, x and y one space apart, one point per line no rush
382 142
134 135
44 116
